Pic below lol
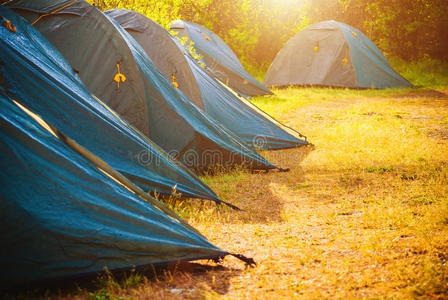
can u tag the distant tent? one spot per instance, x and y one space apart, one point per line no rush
237 114
34 72
63 216
120 74
220 59
330 53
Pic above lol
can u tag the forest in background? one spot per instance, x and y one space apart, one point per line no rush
257 29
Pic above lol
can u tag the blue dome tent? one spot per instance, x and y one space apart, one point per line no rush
236 113
62 216
220 59
113 68
34 71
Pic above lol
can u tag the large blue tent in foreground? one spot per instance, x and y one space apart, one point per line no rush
63 216
245 120
36 73
64 212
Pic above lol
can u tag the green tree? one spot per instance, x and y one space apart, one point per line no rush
257 29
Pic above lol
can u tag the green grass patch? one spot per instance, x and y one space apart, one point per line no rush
380 170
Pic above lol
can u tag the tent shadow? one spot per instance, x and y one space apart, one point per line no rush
421 93
193 277
170 279
254 193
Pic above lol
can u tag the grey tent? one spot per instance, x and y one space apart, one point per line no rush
331 53
236 113
220 59
111 64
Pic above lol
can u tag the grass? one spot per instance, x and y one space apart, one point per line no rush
362 215
424 72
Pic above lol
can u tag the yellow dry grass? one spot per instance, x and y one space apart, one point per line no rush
362 215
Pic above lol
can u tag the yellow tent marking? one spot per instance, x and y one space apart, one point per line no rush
173 80
119 77
53 12
37 118
316 48
345 59
354 34
8 25
205 37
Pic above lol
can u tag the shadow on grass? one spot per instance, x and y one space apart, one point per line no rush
423 93
174 279
252 192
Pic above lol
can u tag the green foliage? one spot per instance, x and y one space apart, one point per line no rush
403 28
426 72
161 11
257 29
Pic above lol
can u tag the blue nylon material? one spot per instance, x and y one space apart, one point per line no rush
372 68
246 122
148 101
51 6
217 52
62 217
36 74
242 120
165 100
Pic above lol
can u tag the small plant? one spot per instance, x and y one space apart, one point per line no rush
133 279
424 200
380 170
409 177
301 186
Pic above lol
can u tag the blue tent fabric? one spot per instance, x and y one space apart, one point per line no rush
61 217
372 67
220 59
331 53
245 120
94 46
35 73
237 114
165 99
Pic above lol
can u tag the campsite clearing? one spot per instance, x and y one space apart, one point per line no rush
363 214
